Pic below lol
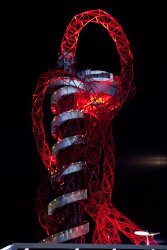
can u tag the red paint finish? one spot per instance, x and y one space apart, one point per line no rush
98 151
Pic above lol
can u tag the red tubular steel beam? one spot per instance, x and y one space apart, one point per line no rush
81 163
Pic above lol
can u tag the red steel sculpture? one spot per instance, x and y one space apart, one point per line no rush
76 195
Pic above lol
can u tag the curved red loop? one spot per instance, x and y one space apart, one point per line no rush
71 36
67 49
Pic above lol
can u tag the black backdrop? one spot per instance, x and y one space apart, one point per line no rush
30 40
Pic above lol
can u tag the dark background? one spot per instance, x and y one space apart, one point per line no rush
30 40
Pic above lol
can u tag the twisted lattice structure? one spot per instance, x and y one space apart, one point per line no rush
77 193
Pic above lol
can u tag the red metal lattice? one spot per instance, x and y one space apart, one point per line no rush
98 150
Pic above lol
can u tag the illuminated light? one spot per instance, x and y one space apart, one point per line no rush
7 247
146 234
141 233
148 160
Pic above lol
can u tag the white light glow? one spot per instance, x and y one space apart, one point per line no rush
146 160
7 247
141 233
